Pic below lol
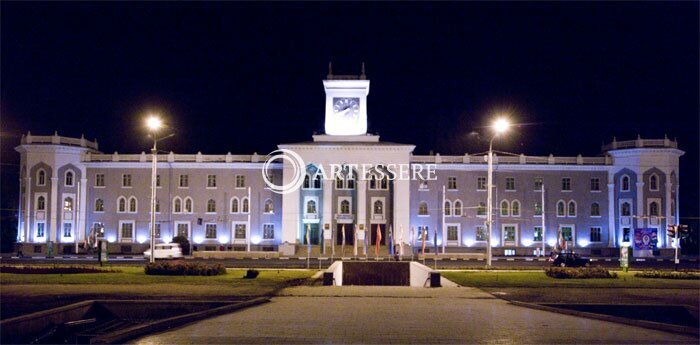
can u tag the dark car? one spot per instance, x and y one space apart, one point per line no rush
570 260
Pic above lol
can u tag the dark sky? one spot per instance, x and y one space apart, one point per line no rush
245 77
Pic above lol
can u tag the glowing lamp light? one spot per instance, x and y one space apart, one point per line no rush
439 242
527 242
111 238
552 242
583 243
154 123
141 238
167 239
626 244
468 242
255 240
495 242
501 125
198 239
223 239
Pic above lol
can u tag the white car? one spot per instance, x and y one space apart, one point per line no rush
165 251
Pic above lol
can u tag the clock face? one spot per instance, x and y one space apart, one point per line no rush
346 107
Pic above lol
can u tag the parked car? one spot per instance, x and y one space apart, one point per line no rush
165 251
570 260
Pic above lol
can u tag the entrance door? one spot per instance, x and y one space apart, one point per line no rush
373 234
314 235
349 234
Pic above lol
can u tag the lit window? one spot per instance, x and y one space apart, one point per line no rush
268 231
345 207
67 229
538 208
188 205
452 233
509 233
211 206
537 234
132 204
311 207
515 208
127 230
246 205
423 209
239 231
240 181
447 209
177 205
68 204
269 207
210 231
378 207
234 205
567 233
40 229
457 209
121 204
156 230
480 233
99 205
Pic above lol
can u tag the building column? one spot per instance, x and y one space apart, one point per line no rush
82 220
402 207
361 202
27 209
291 212
612 228
327 215
54 209
669 216
641 207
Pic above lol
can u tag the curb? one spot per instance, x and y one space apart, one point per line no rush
638 323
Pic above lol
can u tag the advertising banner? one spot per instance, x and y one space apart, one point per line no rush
645 239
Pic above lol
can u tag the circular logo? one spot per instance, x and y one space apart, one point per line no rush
298 170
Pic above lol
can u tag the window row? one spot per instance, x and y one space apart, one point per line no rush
509 184
625 183
509 235
183 181
180 205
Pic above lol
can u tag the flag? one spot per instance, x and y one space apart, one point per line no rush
379 239
343 244
435 241
401 241
364 241
413 239
391 241
423 234
308 238
354 242
562 243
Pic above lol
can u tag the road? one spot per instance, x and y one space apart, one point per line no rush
296 262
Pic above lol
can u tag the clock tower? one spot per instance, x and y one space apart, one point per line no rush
346 103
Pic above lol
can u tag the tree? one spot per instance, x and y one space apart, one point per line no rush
184 244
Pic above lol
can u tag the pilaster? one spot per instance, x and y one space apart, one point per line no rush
54 209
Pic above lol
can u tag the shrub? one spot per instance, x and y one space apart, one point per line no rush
669 275
184 244
579 273
55 269
251 274
178 268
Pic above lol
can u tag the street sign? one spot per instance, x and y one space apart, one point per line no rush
624 258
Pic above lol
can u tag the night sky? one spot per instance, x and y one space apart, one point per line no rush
246 77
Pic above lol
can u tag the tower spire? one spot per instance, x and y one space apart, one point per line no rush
330 71
362 74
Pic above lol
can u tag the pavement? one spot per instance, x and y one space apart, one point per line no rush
388 314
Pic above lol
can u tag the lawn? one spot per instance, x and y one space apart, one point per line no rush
23 293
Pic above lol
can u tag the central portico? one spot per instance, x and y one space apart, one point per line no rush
337 204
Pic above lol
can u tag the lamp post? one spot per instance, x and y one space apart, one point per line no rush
154 124
499 126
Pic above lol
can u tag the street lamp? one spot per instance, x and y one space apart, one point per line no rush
154 124
499 126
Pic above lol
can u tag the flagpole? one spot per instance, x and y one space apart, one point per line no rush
444 240
544 249
308 245
342 248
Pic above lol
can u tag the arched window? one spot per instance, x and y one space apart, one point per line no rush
350 181
345 207
654 209
177 205
211 206
378 207
69 179
572 208
121 204
372 181
505 208
447 208
68 204
339 183
246 205
481 209
188 205
41 203
317 181
515 208
41 177
625 183
132 204
307 182
99 205
385 182
423 209
654 182
561 209
234 205
269 207
626 209
595 209
457 207
311 207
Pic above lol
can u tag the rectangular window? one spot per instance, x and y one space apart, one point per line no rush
183 229
538 208
126 180
127 230
595 184
239 232
595 234
626 234
481 183
240 181
537 235
509 233
566 183
184 181
157 180
538 183
156 231
268 231
40 229
452 233
98 229
99 180
210 231
211 181
67 229
567 233
510 183
480 233
423 233
452 183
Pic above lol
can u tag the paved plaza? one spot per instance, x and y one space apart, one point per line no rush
354 314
